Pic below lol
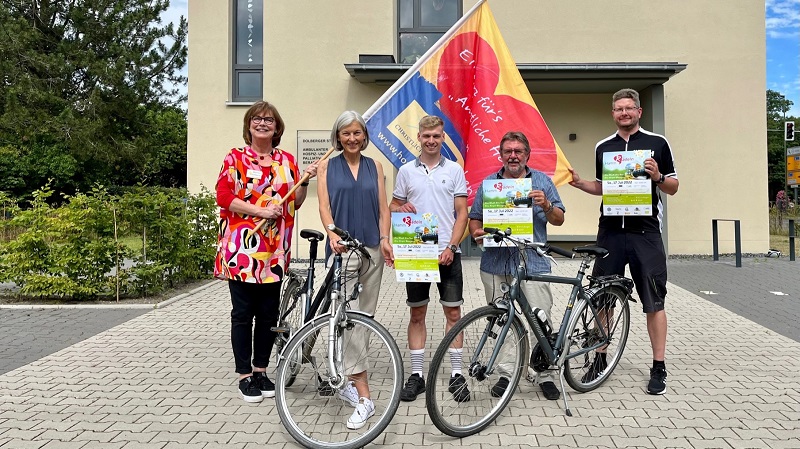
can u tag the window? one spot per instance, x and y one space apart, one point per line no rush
248 50
421 23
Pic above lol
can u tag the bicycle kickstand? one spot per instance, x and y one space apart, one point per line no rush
563 390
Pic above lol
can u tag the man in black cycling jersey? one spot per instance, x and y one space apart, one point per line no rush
636 239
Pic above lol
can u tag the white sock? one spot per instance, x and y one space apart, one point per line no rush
417 361
455 360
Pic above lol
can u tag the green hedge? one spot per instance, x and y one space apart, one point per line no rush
82 248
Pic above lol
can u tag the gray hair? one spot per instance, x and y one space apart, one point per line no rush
345 119
626 93
517 136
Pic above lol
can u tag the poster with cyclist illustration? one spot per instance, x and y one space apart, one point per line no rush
506 205
415 240
626 186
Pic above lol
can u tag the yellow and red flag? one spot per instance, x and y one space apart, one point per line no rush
469 79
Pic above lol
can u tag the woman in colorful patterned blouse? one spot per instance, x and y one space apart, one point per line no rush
252 180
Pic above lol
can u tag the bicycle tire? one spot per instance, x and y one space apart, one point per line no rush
461 419
315 416
581 371
291 303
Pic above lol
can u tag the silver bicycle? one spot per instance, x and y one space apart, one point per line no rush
316 362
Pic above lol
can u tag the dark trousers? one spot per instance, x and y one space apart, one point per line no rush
259 302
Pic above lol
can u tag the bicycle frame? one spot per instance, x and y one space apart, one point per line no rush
336 315
518 302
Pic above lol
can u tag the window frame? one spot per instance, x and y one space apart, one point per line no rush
238 69
417 27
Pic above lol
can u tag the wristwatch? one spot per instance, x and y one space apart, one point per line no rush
452 248
661 179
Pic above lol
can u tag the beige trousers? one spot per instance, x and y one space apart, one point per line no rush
357 341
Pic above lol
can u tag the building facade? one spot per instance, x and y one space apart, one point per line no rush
700 67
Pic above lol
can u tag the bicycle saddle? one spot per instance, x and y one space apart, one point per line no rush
591 249
309 234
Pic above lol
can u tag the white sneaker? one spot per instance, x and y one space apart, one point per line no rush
364 409
349 394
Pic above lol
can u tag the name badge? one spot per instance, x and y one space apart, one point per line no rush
254 174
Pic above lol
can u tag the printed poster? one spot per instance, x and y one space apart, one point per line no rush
506 205
626 191
415 240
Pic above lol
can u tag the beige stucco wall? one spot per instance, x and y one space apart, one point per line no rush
714 110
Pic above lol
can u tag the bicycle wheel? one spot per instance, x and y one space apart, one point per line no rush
291 311
314 413
485 403
590 358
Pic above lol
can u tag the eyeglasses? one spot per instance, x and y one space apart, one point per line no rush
268 120
627 109
511 151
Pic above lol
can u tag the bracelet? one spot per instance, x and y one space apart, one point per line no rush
383 237
549 209
304 184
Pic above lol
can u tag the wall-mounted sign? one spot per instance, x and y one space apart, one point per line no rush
311 146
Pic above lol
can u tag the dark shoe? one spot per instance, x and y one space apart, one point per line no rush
414 386
599 365
264 384
458 386
499 389
658 381
550 391
248 388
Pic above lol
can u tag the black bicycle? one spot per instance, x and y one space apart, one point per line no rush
296 306
585 349
314 388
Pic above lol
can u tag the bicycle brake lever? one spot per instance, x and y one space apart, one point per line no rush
541 252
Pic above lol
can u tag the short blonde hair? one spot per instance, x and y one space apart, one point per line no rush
430 121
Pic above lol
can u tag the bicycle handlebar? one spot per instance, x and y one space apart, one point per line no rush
541 248
348 241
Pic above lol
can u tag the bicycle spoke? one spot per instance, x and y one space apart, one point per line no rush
316 414
596 340
450 412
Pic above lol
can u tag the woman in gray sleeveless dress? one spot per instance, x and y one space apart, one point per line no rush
352 196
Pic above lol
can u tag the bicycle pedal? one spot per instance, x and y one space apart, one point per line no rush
280 329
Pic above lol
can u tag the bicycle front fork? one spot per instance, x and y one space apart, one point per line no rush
337 325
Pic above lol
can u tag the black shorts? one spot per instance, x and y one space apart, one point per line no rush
644 253
451 287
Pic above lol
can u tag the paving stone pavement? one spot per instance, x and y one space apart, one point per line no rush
30 334
764 290
165 380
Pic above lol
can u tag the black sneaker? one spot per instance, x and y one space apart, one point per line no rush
248 388
550 391
598 365
499 389
458 386
414 386
658 381
264 384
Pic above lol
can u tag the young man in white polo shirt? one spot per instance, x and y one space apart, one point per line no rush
434 184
